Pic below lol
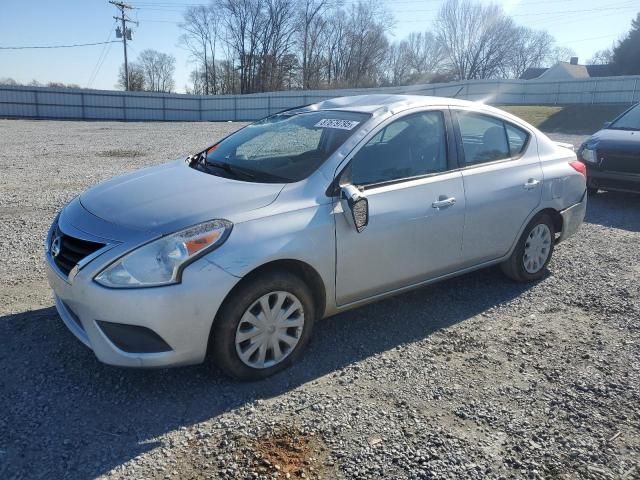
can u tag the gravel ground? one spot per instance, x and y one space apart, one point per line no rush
476 377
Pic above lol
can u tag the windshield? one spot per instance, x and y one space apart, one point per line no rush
283 148
628 121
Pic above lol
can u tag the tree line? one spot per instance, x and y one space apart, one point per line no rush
247 46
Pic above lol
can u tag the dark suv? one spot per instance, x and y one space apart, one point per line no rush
612 155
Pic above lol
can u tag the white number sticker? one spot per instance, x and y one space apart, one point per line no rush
336 123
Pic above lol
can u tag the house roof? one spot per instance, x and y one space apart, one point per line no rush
600 70
575 71
532 72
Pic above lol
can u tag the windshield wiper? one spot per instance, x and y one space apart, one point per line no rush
630 129
200 160
232 169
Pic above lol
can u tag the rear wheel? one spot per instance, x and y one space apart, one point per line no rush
263 326
533 252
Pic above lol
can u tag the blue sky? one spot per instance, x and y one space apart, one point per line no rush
583 25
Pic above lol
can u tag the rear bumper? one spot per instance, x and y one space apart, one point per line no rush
626 182
572 218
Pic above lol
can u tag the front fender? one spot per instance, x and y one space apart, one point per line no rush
306 234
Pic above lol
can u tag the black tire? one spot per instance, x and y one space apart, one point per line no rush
592 191
222 346
514 267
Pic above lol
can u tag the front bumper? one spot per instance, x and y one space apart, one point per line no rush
572 218
624 182
180 314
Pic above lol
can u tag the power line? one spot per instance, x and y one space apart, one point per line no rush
56 46
101 58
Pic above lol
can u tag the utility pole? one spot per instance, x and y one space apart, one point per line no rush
125 33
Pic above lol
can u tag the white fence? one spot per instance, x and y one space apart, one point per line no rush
64 103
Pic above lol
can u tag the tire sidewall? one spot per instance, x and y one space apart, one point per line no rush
222 344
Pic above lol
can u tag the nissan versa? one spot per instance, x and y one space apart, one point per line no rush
234 253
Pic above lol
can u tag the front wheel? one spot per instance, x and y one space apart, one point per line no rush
533 252
263 326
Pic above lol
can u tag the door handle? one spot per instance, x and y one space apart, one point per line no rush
531 184
444 202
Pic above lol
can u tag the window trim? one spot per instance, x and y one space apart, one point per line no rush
344 175
458 134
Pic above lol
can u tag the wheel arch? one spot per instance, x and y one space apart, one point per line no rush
301 269
555 217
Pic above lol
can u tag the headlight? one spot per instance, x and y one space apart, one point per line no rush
161 261
589 155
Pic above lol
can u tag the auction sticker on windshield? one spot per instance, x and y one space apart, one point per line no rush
336 123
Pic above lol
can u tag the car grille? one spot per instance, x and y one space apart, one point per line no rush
620 161
72 250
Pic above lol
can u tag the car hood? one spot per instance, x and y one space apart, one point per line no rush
621 140
168 197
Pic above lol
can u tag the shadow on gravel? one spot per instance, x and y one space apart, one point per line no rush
63 414
614 209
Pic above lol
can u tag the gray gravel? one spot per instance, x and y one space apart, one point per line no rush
476 377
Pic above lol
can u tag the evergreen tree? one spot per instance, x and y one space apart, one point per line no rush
626 55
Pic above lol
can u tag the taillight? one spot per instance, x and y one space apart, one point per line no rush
579 167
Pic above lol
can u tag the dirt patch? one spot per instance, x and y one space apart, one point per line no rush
293 454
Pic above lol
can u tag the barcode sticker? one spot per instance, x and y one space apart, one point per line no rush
336 123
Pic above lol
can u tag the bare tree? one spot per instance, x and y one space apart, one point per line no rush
529 49
397 67
424 55
276 43
361 53
333 55
602 57
475 38
313 27
8 81
560 54
201 26
158 69
136 78
243 23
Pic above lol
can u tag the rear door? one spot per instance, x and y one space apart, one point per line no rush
502 181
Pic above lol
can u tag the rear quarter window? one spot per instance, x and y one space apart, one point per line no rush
517 139
486 138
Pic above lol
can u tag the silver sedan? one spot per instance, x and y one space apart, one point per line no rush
234 253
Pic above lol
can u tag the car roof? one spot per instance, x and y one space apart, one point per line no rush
376 102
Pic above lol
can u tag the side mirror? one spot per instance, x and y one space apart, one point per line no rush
606 124
355 206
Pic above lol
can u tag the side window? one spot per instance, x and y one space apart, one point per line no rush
483 138
412 146
517 139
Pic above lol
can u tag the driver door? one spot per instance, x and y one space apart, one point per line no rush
413 233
